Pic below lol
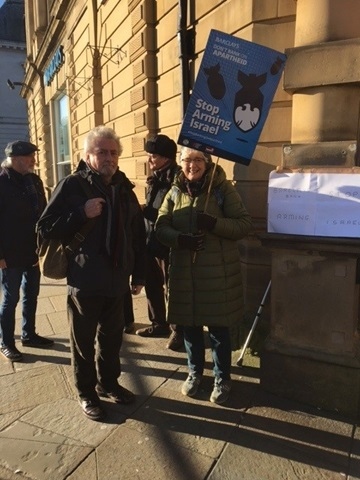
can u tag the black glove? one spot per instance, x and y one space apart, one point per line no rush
150 213
191 242
204 221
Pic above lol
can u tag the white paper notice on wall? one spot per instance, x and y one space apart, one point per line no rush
318 204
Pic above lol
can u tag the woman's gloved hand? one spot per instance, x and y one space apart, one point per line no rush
191 242
150 213
204 221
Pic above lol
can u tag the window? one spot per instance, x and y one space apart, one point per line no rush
62 147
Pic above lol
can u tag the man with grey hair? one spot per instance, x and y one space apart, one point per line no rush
22 200
100 269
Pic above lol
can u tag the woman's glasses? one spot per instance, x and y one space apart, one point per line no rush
193 160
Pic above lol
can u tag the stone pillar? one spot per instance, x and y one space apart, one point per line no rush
322 71
313 350
312 353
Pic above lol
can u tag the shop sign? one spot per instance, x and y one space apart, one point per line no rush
54 66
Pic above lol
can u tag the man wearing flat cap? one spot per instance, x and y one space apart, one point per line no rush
163 167
22 200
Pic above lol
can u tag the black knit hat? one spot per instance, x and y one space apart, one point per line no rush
18 148
162 145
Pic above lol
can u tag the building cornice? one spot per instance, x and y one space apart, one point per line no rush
12 45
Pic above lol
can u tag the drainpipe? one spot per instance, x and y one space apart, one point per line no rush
186 52
96 66
94 4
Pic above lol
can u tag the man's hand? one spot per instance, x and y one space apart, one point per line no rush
93 207
204 221
191 242
2 263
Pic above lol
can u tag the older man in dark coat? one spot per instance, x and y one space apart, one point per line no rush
22 200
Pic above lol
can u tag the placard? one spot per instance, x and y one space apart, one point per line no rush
231 98
319 204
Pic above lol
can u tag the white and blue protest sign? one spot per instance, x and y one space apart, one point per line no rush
232 95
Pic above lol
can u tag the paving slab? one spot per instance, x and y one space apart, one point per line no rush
64 417
39 453
58 303
140 377
43 326
276 439
87 469
129 454
59 324
6 474
238 463
7 419
186 424
34 358
32 387
44 306
6 367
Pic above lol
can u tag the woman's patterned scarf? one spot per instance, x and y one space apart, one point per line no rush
194 188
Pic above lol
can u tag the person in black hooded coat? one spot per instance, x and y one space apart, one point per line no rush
163 167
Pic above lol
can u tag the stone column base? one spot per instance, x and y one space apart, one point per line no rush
320 384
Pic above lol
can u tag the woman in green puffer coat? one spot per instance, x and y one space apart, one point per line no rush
205 287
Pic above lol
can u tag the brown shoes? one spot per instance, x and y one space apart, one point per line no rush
176 341
154 331
129 328
92 409
117 394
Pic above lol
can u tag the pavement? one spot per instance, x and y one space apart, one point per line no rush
164 435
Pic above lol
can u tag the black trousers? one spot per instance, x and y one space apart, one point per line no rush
128 308
156 290
96 331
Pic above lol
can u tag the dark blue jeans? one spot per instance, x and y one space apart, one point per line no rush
28 279
220 347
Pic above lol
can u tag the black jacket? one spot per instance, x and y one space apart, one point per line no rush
114 248
158 186
18 219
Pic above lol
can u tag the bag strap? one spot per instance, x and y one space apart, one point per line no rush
80 236
84 185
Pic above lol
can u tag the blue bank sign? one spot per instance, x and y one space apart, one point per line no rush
54 66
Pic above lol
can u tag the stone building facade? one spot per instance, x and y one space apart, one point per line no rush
131 64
